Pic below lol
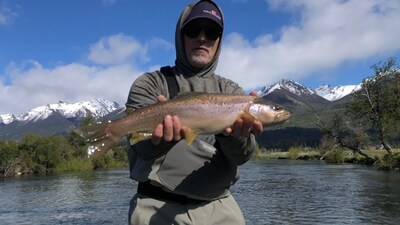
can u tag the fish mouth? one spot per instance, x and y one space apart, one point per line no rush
284 116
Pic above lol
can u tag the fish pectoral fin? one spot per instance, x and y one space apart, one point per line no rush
190 135
246 116
139 136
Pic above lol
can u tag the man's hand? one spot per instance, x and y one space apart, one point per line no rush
244 127
169 130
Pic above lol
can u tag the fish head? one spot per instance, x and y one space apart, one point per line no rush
268 113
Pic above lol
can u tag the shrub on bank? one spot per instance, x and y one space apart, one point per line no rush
378 158
335 156
389 162
37 154
74 165
294 153
303 153
267 154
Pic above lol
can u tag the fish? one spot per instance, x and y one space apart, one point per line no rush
199 113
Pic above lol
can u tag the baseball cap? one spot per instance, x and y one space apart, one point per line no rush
205 9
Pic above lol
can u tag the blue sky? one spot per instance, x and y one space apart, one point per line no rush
73 50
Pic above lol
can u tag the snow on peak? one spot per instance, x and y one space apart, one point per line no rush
6 118
336 93
289 85
95 107
325 91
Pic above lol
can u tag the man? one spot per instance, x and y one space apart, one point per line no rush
181 183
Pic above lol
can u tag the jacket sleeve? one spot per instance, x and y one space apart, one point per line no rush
236 150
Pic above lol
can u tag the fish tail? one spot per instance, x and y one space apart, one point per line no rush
99 137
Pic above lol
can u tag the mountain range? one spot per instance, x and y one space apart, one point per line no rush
60 117
55 118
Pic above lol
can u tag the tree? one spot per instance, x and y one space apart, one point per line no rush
44 152
9 157
344 134
376 105
77 142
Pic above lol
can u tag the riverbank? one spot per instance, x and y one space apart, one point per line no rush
41 154
377 158
66 166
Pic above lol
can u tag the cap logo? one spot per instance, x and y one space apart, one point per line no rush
212 12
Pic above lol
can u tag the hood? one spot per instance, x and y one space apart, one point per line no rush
182 64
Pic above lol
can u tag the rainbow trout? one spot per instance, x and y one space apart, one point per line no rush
199 113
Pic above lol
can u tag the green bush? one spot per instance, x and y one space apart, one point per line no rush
335 156
389 162
9 158
36 153
294 152
74 165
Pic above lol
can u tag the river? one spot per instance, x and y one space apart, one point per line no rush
269 192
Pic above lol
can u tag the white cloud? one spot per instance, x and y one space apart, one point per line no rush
33 85
7 12
327 33
2 19
107 3
30 84
116 49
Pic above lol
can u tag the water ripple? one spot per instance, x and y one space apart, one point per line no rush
269 192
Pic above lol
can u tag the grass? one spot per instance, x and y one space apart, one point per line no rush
389 162
293 153
375 153
381 159
74 165
271 155
303 153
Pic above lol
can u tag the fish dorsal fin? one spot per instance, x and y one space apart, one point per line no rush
264 102
188 94
248 117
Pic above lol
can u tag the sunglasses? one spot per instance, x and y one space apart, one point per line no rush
211 32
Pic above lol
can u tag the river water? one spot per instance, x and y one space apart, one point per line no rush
269 192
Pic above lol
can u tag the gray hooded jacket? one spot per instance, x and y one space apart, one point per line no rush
209 166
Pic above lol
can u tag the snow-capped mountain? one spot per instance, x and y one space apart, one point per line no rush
6 118
290 85
336 93
58 118
300 99
326 91
95 107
